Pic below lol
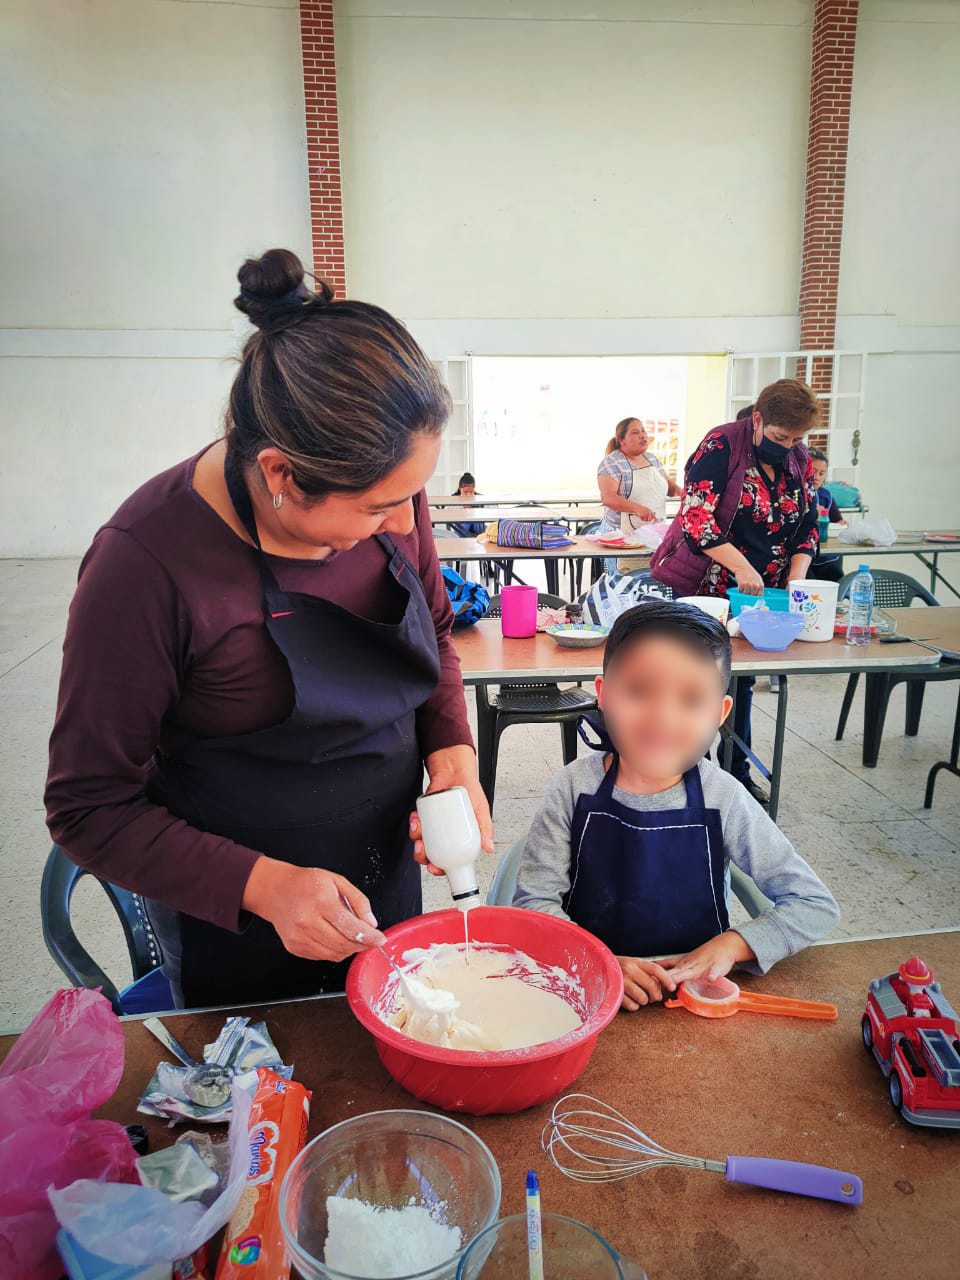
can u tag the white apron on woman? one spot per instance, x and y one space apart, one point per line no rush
648 486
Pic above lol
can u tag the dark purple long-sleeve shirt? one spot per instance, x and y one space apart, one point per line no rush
165 644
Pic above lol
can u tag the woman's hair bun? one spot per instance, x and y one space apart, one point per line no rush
273 289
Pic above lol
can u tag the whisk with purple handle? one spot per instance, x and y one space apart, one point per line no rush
590 1141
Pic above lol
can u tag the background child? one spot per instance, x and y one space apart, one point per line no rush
825 567
467 488
633 845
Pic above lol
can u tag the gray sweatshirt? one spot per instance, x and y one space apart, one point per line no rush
803 908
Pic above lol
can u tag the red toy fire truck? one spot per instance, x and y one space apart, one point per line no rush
914 1033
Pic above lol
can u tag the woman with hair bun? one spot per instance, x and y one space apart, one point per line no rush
257 666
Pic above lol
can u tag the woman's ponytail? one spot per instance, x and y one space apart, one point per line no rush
622 427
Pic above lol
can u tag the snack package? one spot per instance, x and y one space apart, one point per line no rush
253 1247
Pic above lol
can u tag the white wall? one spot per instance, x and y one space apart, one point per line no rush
900 264
630 158
147 146
627 177
612 177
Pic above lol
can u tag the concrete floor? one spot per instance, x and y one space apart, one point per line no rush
892 865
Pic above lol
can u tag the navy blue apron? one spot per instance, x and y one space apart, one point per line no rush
647 883
331 786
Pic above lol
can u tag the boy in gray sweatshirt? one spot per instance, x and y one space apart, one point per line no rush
633 843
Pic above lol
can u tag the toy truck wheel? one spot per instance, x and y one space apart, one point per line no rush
866 1030
896 1090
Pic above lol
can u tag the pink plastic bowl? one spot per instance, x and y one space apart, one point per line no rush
485 1083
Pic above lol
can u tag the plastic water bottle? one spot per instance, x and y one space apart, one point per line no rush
861 607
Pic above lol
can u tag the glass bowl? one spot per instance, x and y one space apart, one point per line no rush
571 1251
390 1159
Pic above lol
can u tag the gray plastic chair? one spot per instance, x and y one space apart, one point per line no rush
892 590
150 991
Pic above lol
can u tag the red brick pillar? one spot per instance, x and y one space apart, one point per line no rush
831 80
323 141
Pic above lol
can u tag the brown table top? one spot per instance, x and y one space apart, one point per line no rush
487 656
906 544
763 1086
938 626
513 499
459 515
578 549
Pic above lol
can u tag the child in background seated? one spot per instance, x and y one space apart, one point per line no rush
467 488
826 568
634 845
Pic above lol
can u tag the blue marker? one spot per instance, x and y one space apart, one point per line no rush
534 1227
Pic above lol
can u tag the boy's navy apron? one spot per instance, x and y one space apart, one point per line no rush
647 883
331 786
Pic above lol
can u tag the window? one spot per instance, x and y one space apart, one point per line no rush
838 378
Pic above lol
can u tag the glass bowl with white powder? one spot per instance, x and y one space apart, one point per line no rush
395 1194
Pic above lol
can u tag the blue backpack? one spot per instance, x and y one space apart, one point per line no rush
845 495
469 599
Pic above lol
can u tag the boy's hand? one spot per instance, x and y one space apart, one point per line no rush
713 960
644 982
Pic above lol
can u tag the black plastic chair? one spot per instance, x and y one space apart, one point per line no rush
534 702
892 590
150 991
596 565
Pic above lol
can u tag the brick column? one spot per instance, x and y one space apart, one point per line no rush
831 80
323 141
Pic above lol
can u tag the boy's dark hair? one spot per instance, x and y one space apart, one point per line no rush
665 617
817 454
745 412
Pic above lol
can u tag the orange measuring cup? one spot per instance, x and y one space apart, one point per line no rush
721 998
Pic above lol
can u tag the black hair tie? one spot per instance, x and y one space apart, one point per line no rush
294 298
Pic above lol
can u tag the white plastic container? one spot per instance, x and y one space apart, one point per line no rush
451 839
717 606
817 602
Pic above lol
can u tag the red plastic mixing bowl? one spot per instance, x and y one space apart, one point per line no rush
484 1083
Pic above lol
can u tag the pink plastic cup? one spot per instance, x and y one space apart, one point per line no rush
518 611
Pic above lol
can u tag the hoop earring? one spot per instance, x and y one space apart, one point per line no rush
278 500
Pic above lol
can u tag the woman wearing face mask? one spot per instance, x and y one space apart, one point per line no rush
748 517
258 667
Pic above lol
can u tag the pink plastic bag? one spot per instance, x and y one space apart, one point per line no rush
68 1062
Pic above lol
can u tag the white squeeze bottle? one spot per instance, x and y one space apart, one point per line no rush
451 839
861 607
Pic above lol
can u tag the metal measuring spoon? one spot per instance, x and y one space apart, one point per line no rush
207 1084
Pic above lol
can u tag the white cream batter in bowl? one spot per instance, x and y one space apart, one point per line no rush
533 978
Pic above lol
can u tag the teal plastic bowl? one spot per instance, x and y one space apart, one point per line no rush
770 631
775 598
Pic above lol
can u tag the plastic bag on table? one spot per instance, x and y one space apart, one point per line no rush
876 532
615 593
137 1225
67 1062
640 534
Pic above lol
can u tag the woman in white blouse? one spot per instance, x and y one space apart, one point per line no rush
632 481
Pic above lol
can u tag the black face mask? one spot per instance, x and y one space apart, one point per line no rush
770 451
